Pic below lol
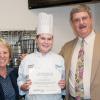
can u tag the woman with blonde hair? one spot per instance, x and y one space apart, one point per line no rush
8 76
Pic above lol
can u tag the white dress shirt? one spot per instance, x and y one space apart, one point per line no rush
88 53
47 61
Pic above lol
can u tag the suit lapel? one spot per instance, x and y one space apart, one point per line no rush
96 57
71 49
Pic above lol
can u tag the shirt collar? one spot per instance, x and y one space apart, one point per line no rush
40 54
89 38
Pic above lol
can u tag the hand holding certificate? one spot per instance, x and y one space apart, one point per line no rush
44 82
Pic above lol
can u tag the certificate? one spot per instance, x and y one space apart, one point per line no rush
44 81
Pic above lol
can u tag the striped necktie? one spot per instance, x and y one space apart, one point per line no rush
79 90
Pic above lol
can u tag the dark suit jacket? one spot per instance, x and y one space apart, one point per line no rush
13 76
67 52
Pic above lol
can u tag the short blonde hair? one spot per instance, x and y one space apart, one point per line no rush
5 43
80 8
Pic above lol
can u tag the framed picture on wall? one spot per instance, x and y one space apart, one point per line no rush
32 4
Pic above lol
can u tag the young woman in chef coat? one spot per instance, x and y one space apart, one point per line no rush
42 63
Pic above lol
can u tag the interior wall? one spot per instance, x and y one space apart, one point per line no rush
97 17
15 15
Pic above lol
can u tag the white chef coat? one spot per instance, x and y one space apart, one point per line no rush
49 61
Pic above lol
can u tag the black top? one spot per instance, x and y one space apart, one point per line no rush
12 76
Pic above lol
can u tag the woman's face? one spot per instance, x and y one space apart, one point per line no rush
4 55
44 43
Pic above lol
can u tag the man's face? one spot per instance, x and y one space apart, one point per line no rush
44 43
82 24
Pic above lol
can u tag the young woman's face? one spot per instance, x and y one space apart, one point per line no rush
44 43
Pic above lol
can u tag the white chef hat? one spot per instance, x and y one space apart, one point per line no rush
45 24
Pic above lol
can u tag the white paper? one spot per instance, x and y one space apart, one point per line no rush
44 81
